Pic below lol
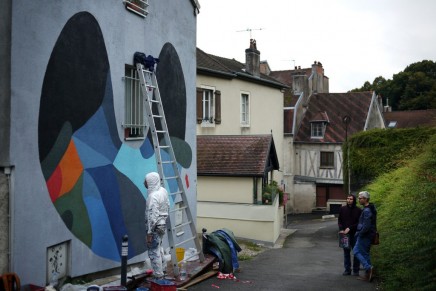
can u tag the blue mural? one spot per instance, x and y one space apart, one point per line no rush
94 179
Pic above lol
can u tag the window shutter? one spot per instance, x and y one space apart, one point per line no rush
217 107
199 105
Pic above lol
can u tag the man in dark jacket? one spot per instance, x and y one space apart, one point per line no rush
365 232
347 221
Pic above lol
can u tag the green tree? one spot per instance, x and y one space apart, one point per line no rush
412 89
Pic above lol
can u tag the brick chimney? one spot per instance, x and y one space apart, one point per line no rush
252 59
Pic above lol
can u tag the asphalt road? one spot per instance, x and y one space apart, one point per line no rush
310 259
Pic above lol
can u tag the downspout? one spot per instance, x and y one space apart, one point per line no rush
8 172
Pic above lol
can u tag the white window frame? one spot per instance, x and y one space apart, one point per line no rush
139 7
208 103
317 129
134 114
245 109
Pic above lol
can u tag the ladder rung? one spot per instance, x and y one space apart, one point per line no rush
171 177
157 116
185 241
154 101
167 162
182 225
175 193
161 131
178 209
150 86
164 147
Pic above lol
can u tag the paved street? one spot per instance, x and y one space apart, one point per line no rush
309 260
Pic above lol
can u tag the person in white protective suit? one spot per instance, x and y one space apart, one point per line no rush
156 213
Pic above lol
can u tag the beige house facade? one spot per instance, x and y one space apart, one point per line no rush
236 100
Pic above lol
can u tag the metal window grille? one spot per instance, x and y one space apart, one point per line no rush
327 160
134 119
139 7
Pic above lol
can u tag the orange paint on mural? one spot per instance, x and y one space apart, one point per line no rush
71 168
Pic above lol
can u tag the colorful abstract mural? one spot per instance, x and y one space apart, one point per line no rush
94 179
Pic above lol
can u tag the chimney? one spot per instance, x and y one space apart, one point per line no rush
252 59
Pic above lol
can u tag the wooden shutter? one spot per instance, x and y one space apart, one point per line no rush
199 105
217 107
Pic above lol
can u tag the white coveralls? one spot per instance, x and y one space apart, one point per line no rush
156 213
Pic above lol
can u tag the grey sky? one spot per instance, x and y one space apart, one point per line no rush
356 41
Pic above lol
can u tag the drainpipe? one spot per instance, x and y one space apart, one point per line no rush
7 172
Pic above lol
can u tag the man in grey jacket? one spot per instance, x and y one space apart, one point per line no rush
156 213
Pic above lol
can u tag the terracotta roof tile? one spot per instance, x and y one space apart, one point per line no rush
235 155
336 106
413 118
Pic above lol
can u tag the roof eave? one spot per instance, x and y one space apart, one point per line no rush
216 73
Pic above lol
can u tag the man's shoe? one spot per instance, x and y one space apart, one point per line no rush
371 274
362 278
346 273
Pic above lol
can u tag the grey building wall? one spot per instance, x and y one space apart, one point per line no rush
36 26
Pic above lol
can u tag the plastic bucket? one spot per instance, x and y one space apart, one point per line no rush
180 254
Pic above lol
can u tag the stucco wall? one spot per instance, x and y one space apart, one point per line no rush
266 112
303 197
39 221
225 189
254 222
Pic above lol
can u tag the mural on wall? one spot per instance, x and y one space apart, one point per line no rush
94 179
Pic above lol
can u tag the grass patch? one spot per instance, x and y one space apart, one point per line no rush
405 199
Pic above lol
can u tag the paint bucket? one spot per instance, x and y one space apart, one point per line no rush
180 254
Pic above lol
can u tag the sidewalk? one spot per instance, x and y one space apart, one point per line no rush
309 259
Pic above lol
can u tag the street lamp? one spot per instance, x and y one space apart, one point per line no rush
346 120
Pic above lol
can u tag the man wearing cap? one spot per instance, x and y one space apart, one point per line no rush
156 213
365 232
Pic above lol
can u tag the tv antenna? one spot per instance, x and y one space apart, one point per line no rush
290 61
250 30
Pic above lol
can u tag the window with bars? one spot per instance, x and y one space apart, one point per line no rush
139 7
327 160
134 119
245 109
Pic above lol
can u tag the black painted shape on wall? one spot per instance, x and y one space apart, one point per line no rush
75 80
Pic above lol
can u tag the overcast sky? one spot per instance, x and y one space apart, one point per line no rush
355 40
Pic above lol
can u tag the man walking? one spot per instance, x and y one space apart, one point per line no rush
156 213
347 221
365 232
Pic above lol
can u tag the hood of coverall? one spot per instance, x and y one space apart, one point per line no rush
153 181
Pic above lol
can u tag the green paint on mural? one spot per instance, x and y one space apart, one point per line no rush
72 209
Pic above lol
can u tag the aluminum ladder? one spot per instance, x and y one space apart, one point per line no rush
166 163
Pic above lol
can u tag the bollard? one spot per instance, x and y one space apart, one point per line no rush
124 253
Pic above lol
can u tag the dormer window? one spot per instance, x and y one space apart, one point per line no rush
318 125
317 130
